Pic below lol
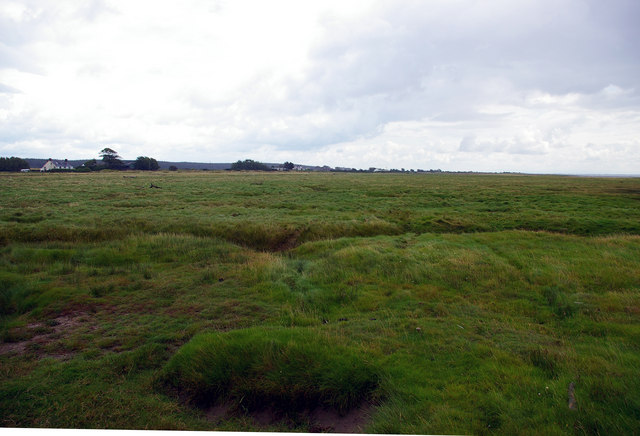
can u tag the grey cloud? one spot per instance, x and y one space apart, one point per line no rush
12 33
441 61
514 145
418 60
23 128
614 97
555 46
6 89
32 25
94 9
16 58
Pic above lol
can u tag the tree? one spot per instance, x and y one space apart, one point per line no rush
92 165
146 164
173 168
249 165
111 159
288 166
13 164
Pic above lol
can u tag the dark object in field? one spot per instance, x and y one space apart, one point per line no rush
154 186
343 319
221 279
572 397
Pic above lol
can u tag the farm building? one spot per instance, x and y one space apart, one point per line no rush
56 165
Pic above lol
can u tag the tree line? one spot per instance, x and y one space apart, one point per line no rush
13 164
112 161
252 165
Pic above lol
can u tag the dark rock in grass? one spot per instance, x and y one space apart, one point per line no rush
572 396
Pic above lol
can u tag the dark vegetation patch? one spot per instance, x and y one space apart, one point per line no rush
21 217
624 191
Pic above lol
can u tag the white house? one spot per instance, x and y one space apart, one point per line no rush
56 165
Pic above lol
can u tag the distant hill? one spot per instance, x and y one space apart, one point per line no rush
164 165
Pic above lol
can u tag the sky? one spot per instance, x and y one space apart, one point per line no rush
544 86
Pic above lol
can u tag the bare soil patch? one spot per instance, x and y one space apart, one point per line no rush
290 242
13 347
318 420
41 336
354 421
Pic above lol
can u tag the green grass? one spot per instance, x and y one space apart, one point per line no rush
450 303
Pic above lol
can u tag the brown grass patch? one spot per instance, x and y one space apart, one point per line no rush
42 339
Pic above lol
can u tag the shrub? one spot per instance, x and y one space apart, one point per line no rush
146 164
249 165
90 165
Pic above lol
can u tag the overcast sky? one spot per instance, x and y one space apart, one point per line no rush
492 85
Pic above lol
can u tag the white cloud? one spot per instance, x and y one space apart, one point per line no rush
462 85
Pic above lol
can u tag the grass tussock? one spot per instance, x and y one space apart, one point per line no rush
287 369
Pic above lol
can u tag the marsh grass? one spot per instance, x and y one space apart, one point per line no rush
457 303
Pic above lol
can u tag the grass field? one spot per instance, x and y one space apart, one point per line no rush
411 303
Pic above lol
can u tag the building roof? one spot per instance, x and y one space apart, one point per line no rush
56 164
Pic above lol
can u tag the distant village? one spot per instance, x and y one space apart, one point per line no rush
113 162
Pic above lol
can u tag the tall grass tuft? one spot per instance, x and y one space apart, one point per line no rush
558 302
14 294
546 361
